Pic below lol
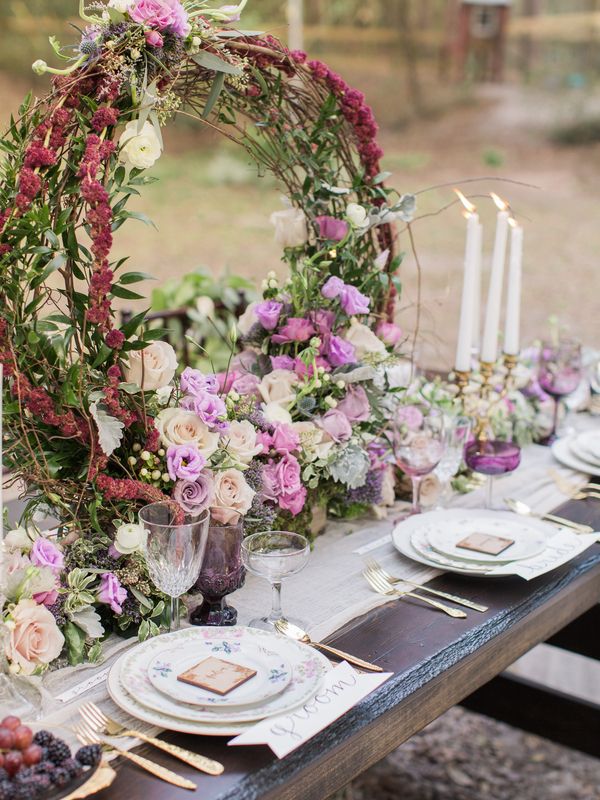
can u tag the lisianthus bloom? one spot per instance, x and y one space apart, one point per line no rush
296 329
336 425
164 15
281 482
34 639
184 461
389 332
153 367
332 287
232 498
193 381
268 313
208 407
195 496
355 405
339 352
322 320
331 228
351 299
139 146
46 554
357 215
111 592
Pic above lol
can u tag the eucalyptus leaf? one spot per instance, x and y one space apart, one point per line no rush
213 62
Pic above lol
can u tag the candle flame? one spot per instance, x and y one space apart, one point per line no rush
466 203
500 203
513 222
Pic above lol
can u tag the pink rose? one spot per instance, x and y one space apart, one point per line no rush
296 329
154 39
389 332
323 321
332 228
284 439
281 482
162 14
34 637
233 497
111 592
355 405
268 313
46 554
336 425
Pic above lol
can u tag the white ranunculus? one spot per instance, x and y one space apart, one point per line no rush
205 305
364 340
313 440
139 148
120 5
357 215
278 387
273 412
178 426
130 537
291 229
153 367
240 440
20 538
248 319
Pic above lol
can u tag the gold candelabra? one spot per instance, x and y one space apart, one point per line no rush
510 364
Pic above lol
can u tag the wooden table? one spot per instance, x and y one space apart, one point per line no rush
437 663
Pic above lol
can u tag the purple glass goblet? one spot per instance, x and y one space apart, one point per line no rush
491 458
222 572
559 374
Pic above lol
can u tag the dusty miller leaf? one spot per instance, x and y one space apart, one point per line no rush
110 429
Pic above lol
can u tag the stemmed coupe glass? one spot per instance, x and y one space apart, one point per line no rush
457 431
492 457
559 374
418 444
174 550
275 555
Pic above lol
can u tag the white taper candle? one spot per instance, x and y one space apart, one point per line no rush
489 345
513 300
462 361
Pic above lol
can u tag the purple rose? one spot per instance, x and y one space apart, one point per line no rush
331 228
185 461
323 321
246 384
192 381
339 351
282 362
284 439
332 287
354 302
355 405
111 592
296 329
336 425
195 496
161 14
268 313
209 407
281 482
389 332
46 554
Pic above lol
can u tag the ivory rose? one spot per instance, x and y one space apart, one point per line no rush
153 367
139 147
241 441
278 387
364 340
313 440
232 497
177 426
290 227
273 412
247 319
35 639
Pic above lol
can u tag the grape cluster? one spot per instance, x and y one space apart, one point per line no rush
32 764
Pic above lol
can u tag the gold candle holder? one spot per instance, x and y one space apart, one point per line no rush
487 370
510 364
462 381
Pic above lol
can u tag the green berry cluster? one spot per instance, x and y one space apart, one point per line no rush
150 467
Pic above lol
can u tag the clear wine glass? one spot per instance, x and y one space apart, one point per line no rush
275 555
418 443
492 457
559 374
174 550
457 432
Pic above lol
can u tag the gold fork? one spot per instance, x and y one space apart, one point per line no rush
382 586
461 601
104 724
573 490
87 735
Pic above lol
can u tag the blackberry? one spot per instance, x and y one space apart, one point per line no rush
3 774
60 777
6 790
43 738
24 774
58 751
43 767
89 755
73 766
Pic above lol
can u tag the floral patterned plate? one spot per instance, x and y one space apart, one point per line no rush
132 688
273 671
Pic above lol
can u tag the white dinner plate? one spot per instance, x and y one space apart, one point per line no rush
273 670
587 447
561 450
308 669
412 530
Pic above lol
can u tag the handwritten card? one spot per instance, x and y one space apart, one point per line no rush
560 548
342 689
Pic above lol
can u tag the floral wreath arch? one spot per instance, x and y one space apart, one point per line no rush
87 424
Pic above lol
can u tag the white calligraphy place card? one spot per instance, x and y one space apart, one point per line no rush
560 549
342 689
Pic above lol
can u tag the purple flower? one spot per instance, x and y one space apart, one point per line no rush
46 554
209 407
193 381
284 439
411 416
322 320
296 329
331 228
185 461
268 313
154 39
355 405
246 384
195 496
111 592
282 362
353 302
332 287
339 352
161 14
281 482
336 425
389 332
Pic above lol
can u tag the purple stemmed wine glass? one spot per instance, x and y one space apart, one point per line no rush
559 374
491 458
222 572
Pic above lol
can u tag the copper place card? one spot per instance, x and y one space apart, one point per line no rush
216 675
485 543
